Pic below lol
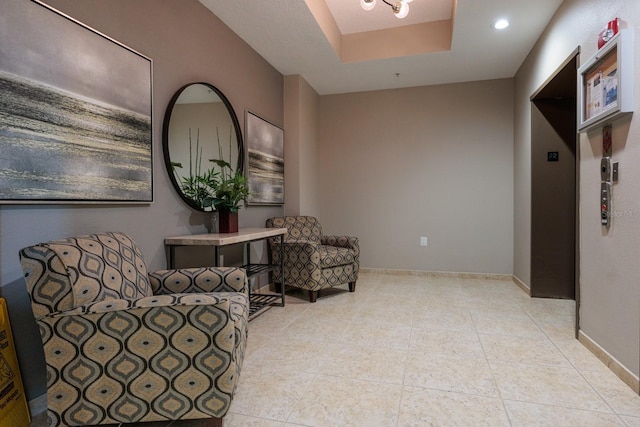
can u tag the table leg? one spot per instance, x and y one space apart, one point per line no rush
172 256
282 286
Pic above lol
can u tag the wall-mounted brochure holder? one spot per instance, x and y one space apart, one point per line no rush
605 83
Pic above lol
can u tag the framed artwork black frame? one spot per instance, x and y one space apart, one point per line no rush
75 112
265 161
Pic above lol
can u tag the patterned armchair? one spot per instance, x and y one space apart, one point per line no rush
313 261
124 346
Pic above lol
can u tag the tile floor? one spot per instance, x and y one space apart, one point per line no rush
423 351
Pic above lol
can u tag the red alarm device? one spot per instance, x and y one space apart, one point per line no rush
607 34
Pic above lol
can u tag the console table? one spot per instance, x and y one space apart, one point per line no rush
245 236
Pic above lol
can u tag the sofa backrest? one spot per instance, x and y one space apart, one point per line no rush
300 228
63 274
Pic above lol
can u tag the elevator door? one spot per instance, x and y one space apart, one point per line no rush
553 181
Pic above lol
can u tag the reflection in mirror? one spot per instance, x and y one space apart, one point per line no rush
200 127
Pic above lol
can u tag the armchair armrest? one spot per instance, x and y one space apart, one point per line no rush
349 242
296 249
183 346
220 299
301 261
199 280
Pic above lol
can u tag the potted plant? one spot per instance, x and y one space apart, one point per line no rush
231 189
229 192
222 190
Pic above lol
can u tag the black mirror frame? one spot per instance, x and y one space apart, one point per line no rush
165 138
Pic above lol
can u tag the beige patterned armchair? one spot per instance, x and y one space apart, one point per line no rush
313 261
124 346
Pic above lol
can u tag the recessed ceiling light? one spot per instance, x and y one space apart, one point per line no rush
501 24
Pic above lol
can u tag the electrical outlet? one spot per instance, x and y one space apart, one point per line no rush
423 241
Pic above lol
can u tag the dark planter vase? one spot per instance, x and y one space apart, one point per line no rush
227 221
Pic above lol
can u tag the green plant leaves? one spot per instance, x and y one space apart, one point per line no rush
212 189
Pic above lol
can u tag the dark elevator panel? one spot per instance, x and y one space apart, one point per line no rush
553 186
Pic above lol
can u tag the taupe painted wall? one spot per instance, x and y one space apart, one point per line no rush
187 43
433 161
609 268
301 147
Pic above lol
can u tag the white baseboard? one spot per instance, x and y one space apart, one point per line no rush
452 274
521 284
628 377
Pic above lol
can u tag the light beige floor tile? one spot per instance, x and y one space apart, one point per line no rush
255 341
622 399
268 325
276 319
328 329
385 314
631 421
547 385
550 309
518 326
495 309
523 350
392 297
446 343
343 298
450 318
557 331
338 401
341 361
463 375
289 353
442 302
329 295
498 309
425 407
269 392
379 335
524 414
363 362
239 420
438 291
579 356
202 422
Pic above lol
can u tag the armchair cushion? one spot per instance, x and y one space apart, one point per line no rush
84 269
203 279
331 256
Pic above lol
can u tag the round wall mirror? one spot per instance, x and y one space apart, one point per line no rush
200 128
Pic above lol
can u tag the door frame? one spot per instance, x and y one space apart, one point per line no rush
574 55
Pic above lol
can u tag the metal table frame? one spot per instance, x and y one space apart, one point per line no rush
259 301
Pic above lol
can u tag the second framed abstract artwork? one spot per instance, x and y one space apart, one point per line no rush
265 161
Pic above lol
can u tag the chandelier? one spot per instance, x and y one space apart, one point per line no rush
400 8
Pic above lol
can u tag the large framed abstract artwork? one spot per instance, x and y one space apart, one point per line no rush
265 161
75 112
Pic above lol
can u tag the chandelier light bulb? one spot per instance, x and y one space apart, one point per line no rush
368 4
501 24
401 9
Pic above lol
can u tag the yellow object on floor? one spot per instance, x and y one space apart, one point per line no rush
14 411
